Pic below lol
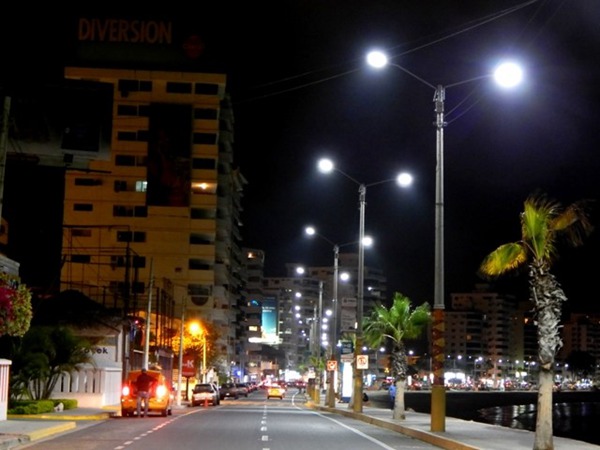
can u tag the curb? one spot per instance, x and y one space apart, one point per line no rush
54 417
49 431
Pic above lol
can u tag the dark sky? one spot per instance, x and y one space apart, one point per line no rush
500 146
301 90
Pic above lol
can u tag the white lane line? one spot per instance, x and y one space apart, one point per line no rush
265 438
360 433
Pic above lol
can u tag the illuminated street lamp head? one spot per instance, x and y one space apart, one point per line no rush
367 241
404 179
377 59
310 231
508 74
325 165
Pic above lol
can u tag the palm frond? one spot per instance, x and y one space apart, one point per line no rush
574 223
505 258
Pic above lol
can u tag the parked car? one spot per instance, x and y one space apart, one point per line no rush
275 390
160 400
242 389
205 393
229 390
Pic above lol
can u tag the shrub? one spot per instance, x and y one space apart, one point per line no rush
31 407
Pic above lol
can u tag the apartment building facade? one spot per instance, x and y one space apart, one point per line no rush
155 226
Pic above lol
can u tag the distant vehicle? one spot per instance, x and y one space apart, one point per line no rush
276 391
205 393
242 389
160 400
229 390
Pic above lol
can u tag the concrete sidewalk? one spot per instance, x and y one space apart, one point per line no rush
459 434
22 429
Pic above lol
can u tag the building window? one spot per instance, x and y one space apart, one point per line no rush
199 264
204 163
131 236
129 211
141 186
126 86
127 110
206 88
124 160
127 136
205 113
83 259
120 185
139 262
81 232
201 239
130 160
83 207
88 182
179 88
205 138
199 213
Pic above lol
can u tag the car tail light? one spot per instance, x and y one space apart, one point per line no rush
126 391
161 390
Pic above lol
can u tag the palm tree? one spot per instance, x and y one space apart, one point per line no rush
397 323
543 223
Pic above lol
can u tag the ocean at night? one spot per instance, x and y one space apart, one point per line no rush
571 420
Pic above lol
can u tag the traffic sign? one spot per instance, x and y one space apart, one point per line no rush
188 368
331 365
347 358
362 362
347 347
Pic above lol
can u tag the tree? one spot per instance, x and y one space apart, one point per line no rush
41 358
397 323
544 223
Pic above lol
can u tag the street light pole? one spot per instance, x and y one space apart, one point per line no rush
438 390
330 373
509 75
180 365
357 405
330 396
204 356
403 179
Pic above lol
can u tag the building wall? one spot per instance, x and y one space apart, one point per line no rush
125 223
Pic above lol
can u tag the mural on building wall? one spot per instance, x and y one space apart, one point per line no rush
169 148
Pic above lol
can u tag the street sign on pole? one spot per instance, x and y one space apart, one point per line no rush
362 362
331 365
188 368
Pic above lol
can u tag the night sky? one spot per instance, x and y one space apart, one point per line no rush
301 90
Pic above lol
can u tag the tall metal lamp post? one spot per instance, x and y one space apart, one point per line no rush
311 231
507 75
403 179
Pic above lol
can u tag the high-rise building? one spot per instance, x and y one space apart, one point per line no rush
155 225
